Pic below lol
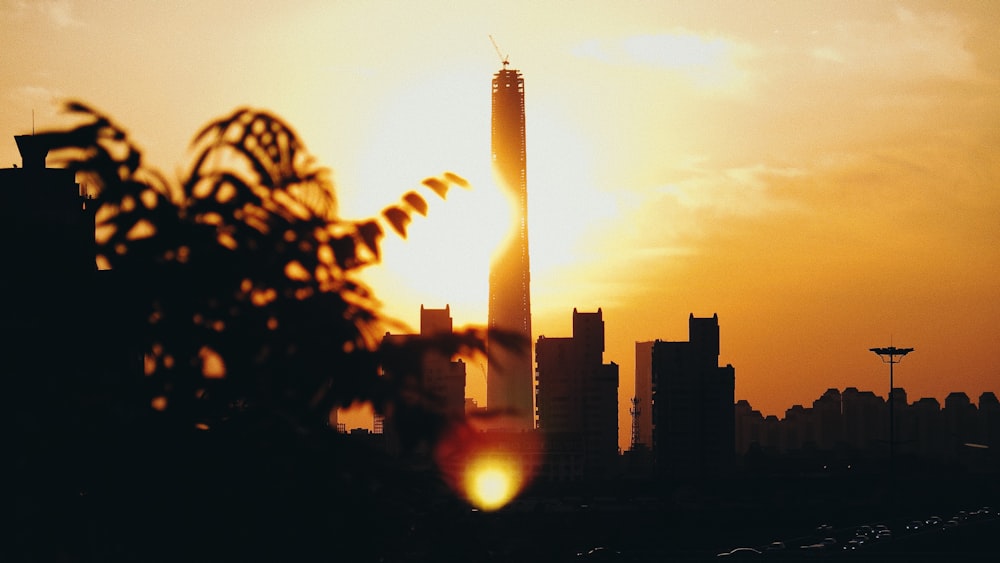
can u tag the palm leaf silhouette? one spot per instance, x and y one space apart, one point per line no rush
246 276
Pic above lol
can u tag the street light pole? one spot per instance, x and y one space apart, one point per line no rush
889 356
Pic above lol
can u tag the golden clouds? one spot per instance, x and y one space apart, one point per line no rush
709 63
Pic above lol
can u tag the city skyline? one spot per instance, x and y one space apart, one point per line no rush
644 351
821 176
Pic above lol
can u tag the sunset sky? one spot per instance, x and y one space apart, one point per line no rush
822 175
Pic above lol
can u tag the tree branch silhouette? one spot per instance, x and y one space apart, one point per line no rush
246 274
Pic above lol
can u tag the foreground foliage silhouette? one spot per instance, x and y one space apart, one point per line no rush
238 286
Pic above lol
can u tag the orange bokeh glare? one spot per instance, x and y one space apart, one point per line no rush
488 468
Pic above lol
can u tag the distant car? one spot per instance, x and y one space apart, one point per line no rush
742 553
824 528
775 546
934 521
600 553
953 523
914 525
852 545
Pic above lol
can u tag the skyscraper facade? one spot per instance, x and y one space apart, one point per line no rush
509 375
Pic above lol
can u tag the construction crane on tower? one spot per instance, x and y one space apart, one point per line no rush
504 59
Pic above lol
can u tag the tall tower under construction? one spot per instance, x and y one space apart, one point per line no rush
509 377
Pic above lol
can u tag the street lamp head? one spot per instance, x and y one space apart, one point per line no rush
891 351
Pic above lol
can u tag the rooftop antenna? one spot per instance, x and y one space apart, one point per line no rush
635 411
504 59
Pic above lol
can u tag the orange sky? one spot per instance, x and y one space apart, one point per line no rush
822 175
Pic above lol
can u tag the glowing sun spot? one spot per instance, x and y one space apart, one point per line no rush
491 487
488 469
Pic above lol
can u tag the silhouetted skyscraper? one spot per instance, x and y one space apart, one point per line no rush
442 376
693 404
578 402
69 354
510 373
47 227
439 379
50 276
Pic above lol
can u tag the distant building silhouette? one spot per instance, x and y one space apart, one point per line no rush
850 429
441 379
473 409
578 402
865 423
693 405
442 376
509 373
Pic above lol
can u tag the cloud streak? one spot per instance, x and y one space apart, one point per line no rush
709 63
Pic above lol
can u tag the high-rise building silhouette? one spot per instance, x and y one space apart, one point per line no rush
440 377
578 402
70 358
443 377
61 317
47 228
437 380
509 375
693 405
48 231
